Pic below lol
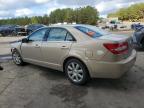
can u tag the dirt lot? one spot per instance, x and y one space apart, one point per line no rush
5 44
9 39
37 87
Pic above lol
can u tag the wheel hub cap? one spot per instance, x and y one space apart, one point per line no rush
75 72
16 58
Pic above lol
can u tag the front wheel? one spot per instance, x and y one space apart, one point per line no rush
76 72
17 59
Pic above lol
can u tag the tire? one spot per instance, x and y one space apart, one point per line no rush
76 72
17 59
142 43
13 33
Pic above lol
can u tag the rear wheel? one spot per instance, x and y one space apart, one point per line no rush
76 72
142 43
17 59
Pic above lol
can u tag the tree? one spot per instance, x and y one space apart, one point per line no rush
85 15
88 15
133 13
34 20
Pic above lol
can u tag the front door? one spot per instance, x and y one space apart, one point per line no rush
31 50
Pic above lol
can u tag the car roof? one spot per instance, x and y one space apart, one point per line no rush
68 25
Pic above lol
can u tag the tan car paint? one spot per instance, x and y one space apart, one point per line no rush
53 52
99 61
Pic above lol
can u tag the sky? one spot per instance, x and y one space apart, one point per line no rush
20 8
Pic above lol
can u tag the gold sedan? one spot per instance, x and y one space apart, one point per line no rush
81 51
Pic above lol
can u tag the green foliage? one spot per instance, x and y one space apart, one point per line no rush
26 20
85 15
34 20
133 13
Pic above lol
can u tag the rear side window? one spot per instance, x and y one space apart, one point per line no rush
91 31
59 34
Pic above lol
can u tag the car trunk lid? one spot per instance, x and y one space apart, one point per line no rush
118 45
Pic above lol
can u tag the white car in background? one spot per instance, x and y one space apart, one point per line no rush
116 25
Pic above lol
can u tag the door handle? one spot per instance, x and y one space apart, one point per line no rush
37 46
64 47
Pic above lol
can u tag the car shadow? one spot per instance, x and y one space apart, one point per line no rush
116 84
123 83
139 49
50 74
131 81
126 82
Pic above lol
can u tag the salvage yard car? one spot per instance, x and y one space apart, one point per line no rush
81 51
116 25
20 31
32 27
138 36
6 30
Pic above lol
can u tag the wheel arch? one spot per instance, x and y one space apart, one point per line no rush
13 49
73 57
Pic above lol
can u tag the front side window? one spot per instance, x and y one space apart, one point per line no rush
38 35
58 34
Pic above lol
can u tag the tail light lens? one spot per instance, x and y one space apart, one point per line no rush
117 48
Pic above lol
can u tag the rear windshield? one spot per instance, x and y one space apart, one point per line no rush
92 31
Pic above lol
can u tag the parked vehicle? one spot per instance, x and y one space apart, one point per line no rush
21 31
31 28
136 26
138 36
115 25
6 30
81 51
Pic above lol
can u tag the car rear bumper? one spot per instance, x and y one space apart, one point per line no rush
111 69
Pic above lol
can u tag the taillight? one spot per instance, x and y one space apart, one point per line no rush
117 48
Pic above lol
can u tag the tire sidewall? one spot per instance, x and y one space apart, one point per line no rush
85 72
21 63
142 43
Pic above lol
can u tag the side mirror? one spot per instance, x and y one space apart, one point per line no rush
24 40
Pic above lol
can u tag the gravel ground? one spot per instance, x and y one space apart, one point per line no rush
10 39
5 44
32 86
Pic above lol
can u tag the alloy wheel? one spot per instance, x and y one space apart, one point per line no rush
75 72
17 58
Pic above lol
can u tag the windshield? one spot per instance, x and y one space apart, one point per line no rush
92 31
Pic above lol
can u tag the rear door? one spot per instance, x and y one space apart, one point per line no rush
57 46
